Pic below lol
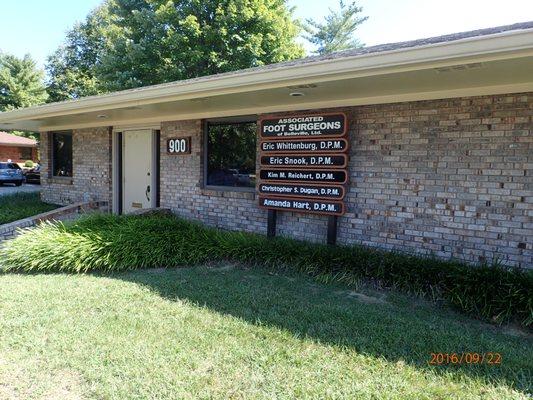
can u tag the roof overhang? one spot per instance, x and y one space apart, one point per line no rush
18 145
491 64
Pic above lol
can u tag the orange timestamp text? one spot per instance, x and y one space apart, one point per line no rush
471 358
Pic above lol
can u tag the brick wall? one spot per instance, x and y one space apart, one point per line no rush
181 186
91 180
451 177
15 154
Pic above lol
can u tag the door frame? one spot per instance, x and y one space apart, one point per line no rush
117 167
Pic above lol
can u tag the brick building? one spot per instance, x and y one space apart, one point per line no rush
438 135
16 148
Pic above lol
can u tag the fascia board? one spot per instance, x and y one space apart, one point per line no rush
346 102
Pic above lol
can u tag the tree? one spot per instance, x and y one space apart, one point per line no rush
71 68
132 43
21 83
336 33
27 134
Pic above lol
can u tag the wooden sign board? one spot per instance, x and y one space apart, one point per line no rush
333 192
179 146
305 146
303 162
304 176
302 205
316 161
304 126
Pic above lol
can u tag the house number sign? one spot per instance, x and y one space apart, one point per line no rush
179 146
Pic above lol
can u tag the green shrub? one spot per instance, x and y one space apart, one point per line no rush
112 243
22 205
29 164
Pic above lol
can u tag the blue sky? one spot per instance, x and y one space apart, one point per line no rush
38 26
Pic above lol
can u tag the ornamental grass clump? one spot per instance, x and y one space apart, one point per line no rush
108 243
113 243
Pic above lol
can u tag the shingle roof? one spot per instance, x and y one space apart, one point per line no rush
359 52
412 43
7 139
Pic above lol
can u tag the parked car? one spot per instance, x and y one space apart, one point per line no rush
10 172
33 175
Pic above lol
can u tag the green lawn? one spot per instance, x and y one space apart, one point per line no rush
21 205
231 332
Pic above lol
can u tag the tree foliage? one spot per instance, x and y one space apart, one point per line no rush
71 68
131 43
337 31
27 134
21 83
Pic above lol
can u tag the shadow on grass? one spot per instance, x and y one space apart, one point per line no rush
395 328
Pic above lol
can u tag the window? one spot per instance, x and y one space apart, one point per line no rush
26 153
62 154
231 154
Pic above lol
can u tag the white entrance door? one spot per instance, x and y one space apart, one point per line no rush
137 170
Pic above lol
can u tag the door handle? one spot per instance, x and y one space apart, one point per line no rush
147 193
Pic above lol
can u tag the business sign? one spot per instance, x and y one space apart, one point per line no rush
329 161
302 205
303 126
179 145
304 176
334 192
303 160
305 146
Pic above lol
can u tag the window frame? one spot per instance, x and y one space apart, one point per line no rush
52 155
205 136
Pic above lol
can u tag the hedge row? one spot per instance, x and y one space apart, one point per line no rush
112 243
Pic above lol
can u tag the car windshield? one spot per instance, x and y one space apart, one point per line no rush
9 166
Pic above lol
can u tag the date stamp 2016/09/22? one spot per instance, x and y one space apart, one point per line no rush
469 358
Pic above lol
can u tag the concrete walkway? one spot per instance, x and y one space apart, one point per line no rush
12 189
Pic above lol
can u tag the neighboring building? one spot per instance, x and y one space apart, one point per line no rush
435 155
17 148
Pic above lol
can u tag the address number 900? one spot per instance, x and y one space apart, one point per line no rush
179 145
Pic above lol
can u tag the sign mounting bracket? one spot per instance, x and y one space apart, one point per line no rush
332 230
271 223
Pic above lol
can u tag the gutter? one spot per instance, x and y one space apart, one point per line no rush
18 145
